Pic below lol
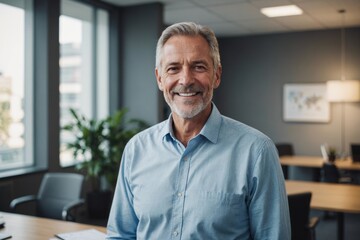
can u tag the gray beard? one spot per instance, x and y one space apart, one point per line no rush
187 114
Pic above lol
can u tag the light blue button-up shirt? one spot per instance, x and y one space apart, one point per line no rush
226 184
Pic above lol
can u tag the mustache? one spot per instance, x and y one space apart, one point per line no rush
187 89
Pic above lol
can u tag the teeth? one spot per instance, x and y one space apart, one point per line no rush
187 94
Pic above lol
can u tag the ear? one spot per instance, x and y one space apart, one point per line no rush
158 79
217 78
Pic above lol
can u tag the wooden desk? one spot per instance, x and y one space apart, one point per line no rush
34 228
335 197
317 162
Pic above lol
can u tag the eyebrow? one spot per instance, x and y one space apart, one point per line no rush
201 61
172 63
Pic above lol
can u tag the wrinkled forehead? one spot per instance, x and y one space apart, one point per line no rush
181 48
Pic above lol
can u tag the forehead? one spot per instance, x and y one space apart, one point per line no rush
179 47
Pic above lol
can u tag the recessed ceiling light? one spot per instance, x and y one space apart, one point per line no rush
281 11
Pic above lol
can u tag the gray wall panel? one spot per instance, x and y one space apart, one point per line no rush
255 68
142 27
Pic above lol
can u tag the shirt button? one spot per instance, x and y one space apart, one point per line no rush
186 158
180 194
175 233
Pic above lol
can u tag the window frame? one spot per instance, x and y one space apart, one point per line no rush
99 69
28 161
44 100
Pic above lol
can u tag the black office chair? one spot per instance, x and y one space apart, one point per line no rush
285 149
58 196
302 228
331 174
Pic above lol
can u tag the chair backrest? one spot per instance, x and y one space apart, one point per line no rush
330 173
285 149
355 152
299 207
56 191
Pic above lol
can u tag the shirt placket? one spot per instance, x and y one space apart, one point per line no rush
179 196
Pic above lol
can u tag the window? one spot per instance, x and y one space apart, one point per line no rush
84 74
16 138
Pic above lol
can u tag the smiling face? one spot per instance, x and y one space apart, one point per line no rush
187 76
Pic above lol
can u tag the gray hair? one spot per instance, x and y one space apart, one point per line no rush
189 29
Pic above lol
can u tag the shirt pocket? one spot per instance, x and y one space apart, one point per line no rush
222 199
217 213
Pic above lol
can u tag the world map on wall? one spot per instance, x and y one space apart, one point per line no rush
306 102
301 100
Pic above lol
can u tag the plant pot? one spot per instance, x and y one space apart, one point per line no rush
99 203
332 158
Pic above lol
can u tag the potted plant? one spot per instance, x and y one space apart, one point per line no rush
98 145
332 154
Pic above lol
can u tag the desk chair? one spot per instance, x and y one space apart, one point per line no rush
302 228
58 196
331 174
285 149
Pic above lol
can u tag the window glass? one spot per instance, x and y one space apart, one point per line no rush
83 62
15 84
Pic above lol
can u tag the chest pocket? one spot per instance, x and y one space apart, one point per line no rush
221 200
217 212
217 206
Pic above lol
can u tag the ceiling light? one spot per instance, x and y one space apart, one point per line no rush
281 11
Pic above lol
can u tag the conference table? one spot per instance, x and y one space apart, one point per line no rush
334 197
339 198
23 227
317 162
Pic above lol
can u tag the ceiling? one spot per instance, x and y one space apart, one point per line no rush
243 17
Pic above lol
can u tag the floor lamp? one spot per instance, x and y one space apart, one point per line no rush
343 90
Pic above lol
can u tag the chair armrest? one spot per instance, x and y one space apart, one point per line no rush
70 206
313 222
20 200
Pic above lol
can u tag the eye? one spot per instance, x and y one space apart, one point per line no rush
172 69
200 68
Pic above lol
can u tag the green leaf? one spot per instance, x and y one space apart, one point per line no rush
101 142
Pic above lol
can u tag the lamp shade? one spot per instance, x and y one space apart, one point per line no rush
343 90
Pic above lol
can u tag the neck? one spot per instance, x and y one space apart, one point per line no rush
185 129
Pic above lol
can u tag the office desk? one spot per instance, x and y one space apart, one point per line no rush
317 162
23 227
335 197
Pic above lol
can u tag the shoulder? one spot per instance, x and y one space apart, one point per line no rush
143 143
152 133
245 138
242 131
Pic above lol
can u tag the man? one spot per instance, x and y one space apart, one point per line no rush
197 175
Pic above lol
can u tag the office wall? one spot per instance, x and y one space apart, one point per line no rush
255 68
142 26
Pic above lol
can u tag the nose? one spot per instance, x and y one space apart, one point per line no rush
186 77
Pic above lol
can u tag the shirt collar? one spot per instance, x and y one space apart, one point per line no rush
210 130
212 126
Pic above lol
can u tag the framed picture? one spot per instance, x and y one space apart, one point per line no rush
305 103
